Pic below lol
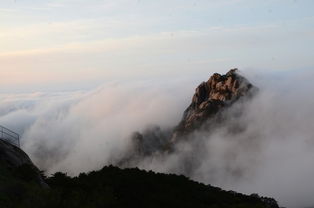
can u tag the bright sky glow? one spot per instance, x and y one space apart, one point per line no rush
65 44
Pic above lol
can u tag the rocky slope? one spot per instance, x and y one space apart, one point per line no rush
16 162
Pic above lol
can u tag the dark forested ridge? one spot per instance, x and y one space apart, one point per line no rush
115 187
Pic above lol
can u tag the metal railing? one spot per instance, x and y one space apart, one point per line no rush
9 136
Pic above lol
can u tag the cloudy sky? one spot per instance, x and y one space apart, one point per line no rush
76 44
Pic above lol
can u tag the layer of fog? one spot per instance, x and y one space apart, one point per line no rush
85 130
272 155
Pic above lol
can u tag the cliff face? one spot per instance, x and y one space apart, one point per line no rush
210 98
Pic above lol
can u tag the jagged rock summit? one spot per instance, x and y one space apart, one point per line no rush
211 97
210 100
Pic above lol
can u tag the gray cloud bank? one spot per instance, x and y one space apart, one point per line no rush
271 152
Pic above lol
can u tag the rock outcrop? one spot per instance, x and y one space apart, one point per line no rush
13 156
14 160
211 97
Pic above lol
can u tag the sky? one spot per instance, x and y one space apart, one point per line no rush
75 44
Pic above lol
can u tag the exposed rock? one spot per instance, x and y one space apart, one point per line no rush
12 155
210 98
13 158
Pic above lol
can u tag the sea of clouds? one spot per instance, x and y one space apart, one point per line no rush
272 154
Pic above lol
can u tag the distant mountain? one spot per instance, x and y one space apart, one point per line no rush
212 97
209 102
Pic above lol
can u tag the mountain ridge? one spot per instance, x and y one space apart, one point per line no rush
110 187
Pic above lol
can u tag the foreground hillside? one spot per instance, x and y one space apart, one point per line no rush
115 187
23 185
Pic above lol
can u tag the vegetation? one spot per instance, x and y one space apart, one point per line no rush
114 187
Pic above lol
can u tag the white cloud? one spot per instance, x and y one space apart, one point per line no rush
95 125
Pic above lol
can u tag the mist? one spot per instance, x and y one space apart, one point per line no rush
265 145
85 130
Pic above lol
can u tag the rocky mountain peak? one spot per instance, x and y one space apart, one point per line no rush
209 100
211 97
221 87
